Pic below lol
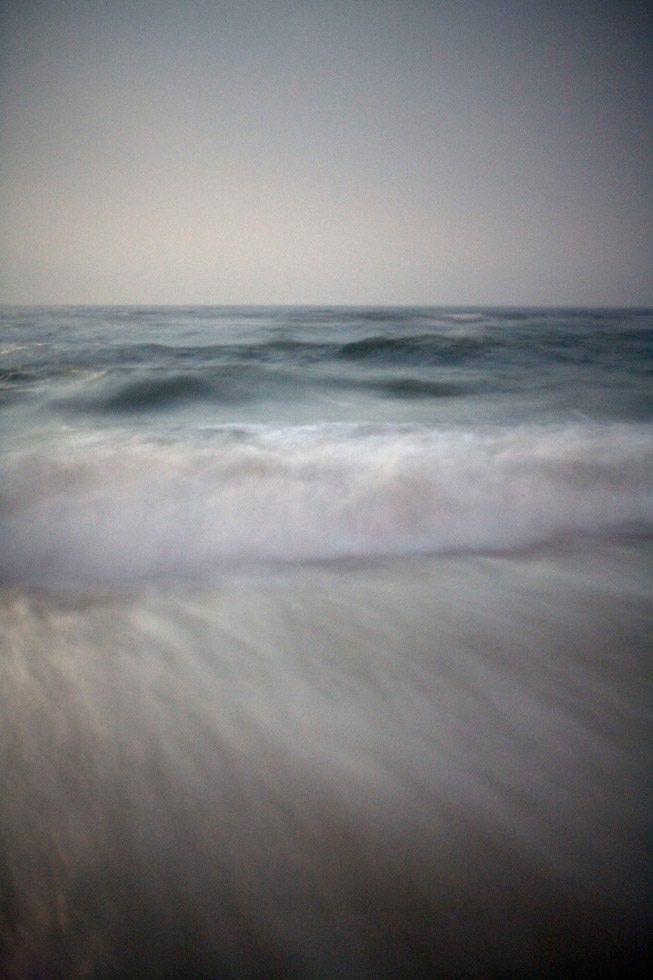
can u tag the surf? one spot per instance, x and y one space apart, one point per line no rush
109 510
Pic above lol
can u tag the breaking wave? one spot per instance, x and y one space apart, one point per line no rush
111 510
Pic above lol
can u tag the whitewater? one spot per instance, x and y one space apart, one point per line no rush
325 643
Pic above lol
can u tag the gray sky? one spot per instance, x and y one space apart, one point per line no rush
292 151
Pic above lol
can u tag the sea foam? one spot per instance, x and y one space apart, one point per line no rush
108 509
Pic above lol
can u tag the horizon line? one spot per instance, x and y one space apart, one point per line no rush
331 306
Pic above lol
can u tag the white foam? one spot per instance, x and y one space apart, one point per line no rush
109 511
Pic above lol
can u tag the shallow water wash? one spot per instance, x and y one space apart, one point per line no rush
325 639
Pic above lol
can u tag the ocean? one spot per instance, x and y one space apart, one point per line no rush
325 642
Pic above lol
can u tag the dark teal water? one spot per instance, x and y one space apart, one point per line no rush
139 367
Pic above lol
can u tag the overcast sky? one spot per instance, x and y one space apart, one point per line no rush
326 151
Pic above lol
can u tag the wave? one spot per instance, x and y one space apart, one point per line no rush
152 393
406 387
543 344
155 393
111 510
419 348
428 348
223 385
270 350
16 377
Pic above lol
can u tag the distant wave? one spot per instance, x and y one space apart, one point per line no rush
16 377
406 387
146 393
156 393
540 342
111 510
421 348
114 393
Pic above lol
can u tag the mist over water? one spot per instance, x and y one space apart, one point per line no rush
325 642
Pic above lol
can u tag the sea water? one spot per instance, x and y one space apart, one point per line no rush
325 639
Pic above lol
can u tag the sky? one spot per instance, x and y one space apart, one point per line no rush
437 152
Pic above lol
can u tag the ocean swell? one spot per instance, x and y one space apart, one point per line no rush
443 348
